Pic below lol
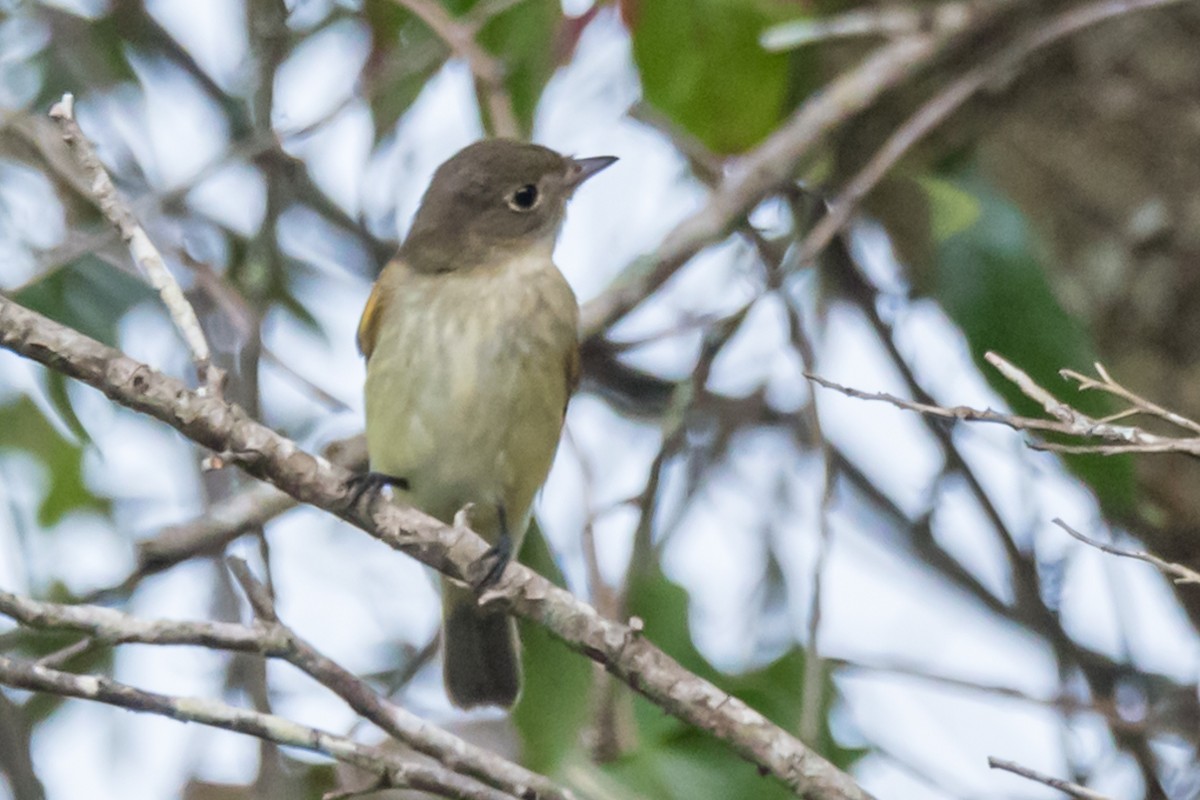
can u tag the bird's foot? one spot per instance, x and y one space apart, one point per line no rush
364 482
488 569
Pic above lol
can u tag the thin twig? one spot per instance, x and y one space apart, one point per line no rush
1064 703
811 714
65 654
1066 787
965 413
117 211
1177 572
1067 420
271 638
1138 404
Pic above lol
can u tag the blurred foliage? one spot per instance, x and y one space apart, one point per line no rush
42 644
23 427
701 65
674 760
553 708
404 54
671 759
524 38
991 280
98 51
89 295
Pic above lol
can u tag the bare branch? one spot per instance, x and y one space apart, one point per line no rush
117 211
400 772
957 412
1138 404
1067 420
226 520
1066 787
272 639
1177 572
452 550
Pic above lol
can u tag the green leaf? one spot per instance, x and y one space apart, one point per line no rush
692 766
701 64
952 209
989 279
523 39
89 295
404 54
23 427
553 708
677 761
95 59
662 606
56 392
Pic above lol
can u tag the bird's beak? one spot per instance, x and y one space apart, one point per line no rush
581 169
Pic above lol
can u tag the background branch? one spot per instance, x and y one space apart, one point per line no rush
1067 421
1068 788
144 253
1176 572
273 639
265 454
399 771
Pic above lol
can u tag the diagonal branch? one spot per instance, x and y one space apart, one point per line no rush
399 771
1137 403
262 452
1177 572
760 172
273 639
890 20
1066 787
147 256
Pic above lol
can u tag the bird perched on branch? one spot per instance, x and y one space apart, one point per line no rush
471 341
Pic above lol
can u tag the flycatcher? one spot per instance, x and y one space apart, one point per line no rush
471 340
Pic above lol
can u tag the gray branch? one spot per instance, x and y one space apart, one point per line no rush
273 639
262 452
398 771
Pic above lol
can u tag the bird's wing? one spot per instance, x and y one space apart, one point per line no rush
368 326
573 371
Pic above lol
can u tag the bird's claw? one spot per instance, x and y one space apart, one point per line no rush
361 483
488 569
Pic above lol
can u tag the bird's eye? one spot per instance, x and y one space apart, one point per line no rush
524 198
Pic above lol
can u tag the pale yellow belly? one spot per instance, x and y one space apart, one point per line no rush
465 396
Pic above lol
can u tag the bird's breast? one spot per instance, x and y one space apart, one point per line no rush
468 380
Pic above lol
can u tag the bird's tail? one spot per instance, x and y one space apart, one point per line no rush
480 651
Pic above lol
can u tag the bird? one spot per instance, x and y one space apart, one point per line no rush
471 339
